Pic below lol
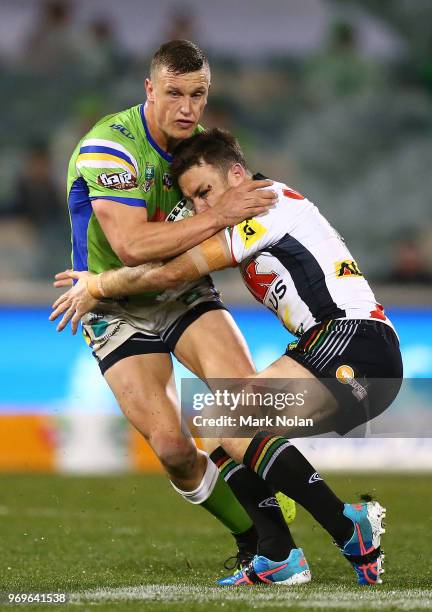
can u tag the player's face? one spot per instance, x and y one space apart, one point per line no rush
204 184
178 101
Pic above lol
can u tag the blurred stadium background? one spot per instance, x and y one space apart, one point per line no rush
332 97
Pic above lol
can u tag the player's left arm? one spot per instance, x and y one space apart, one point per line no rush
211 255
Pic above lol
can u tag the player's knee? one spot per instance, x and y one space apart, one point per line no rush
177 454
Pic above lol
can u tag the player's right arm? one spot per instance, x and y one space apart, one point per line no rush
225 249
135 241
222 250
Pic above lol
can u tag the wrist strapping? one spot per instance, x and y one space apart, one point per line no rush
95 287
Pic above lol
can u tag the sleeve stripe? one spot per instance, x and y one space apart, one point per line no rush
101 142
103 160
108 151
128 201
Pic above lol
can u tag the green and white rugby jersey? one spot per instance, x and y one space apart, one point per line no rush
117 160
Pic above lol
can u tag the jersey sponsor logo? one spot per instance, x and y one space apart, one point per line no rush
149 177
117 180
276 294
290 193
181 210
314 478
250 231
258 283
121 128
167 181
345 375
346 268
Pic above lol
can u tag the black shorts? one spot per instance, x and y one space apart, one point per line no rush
144 344
359 361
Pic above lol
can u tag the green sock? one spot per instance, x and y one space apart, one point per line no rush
215 495
224 505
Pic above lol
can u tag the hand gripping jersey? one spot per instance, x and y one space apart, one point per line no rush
295 263
117 160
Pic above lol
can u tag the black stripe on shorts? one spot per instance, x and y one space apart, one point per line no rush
145 344
138 344
172 334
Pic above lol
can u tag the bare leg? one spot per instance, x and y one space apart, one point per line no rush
145 390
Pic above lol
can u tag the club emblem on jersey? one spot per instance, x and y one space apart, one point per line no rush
117 180
346 268
149 177
250 231
167 181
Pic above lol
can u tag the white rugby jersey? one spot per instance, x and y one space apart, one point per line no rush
295 263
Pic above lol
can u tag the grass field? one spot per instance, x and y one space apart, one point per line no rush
129 542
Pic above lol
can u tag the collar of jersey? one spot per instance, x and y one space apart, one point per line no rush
154 144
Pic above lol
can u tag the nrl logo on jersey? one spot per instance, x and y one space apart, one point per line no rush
149 177
167 181
117 180
347 268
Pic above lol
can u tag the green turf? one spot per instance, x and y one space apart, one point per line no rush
79 534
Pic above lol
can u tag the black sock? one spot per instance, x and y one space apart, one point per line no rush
282 465
257 497
247 543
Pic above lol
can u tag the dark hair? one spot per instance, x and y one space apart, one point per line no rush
215 147
179 57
